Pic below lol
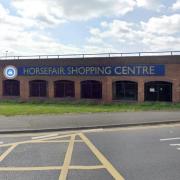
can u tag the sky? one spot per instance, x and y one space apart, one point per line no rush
45 27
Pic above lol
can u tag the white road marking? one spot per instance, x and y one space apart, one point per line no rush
41 137
174 144
92 130
170 139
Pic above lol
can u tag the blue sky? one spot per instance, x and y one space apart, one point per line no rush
95 26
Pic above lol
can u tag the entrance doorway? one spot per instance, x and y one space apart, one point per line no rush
158 91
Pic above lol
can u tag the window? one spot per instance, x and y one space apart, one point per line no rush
38 88
91 89
11 88
64 89
125 90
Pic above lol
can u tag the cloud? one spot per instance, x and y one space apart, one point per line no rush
156 5
24 43
176 5
29 32
60 11
20 42
21 35
152 35
117 29
44 12
163 24
14 21
56 11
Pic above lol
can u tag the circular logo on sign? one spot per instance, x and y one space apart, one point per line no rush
10 72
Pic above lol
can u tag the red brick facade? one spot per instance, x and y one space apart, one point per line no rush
172 68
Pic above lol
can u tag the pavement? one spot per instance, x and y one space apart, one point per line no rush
45 123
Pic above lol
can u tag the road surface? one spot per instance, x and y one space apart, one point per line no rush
136 153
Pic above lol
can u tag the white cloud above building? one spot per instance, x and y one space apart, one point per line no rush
176 6
68 26
50 11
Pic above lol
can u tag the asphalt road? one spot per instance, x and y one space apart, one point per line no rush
139 153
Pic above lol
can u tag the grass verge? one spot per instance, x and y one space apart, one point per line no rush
11 108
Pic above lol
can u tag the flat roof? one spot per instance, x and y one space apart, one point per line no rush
97 55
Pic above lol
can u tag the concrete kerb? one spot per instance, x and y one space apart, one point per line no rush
18 131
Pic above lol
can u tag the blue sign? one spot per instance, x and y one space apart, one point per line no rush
10 72
119 70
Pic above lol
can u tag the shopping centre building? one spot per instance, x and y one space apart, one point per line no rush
106 78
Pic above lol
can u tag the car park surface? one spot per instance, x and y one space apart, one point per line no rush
135 153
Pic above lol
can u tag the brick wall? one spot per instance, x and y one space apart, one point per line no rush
172 64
